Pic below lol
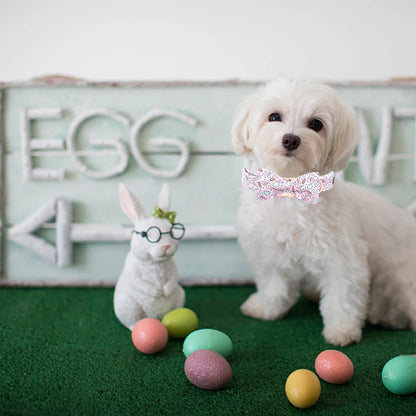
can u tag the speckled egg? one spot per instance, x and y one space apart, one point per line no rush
208 370
149 336
303 388
334 367
180 322
208 339
399 374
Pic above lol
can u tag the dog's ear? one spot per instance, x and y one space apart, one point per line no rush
344 138
241 130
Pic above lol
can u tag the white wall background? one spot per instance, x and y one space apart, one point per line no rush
208 40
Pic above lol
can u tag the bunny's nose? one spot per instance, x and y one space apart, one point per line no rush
166 246
291 142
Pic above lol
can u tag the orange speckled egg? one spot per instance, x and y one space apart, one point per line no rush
334 367
149 336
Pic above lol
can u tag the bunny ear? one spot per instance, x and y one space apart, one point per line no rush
164 199
129 204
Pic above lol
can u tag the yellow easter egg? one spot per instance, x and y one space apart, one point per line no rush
180 322
303 388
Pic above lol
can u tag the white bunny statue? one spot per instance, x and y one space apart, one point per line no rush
148 284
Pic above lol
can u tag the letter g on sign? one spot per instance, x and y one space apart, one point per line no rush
182 145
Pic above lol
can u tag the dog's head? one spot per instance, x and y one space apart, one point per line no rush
295 127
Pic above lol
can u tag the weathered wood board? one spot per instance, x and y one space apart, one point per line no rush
66 147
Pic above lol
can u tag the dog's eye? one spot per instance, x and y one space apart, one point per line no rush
275 117
316 125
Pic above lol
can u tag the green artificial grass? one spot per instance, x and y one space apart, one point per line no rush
63 352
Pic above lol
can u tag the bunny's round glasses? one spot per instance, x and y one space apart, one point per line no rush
154 234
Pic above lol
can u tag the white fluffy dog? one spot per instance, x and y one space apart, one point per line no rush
354 247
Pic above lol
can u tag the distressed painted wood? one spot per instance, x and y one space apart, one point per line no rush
72 142
2 222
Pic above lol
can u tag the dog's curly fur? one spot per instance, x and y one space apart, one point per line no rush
355 248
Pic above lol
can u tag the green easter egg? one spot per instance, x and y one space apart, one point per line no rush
180 322
399 374
208 339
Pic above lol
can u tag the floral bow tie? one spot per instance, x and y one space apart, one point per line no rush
268 185
159 213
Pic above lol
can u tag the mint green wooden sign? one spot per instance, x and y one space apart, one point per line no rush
65 148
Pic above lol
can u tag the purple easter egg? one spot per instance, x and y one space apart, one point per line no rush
207 370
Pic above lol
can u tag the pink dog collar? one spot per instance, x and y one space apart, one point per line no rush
268 185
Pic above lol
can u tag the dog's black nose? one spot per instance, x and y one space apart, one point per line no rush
291 141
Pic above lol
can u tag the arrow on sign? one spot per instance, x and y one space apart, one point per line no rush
68 233
22 233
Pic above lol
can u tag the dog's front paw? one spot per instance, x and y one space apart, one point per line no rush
252 307
259 307
342 334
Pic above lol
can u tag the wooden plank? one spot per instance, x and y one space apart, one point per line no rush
2 128
196 196
63 80
186 282
103 262
212 107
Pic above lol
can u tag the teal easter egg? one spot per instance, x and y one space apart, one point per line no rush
208 339
399 374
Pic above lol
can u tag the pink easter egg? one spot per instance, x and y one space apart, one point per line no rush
334 367
207 370
149 336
